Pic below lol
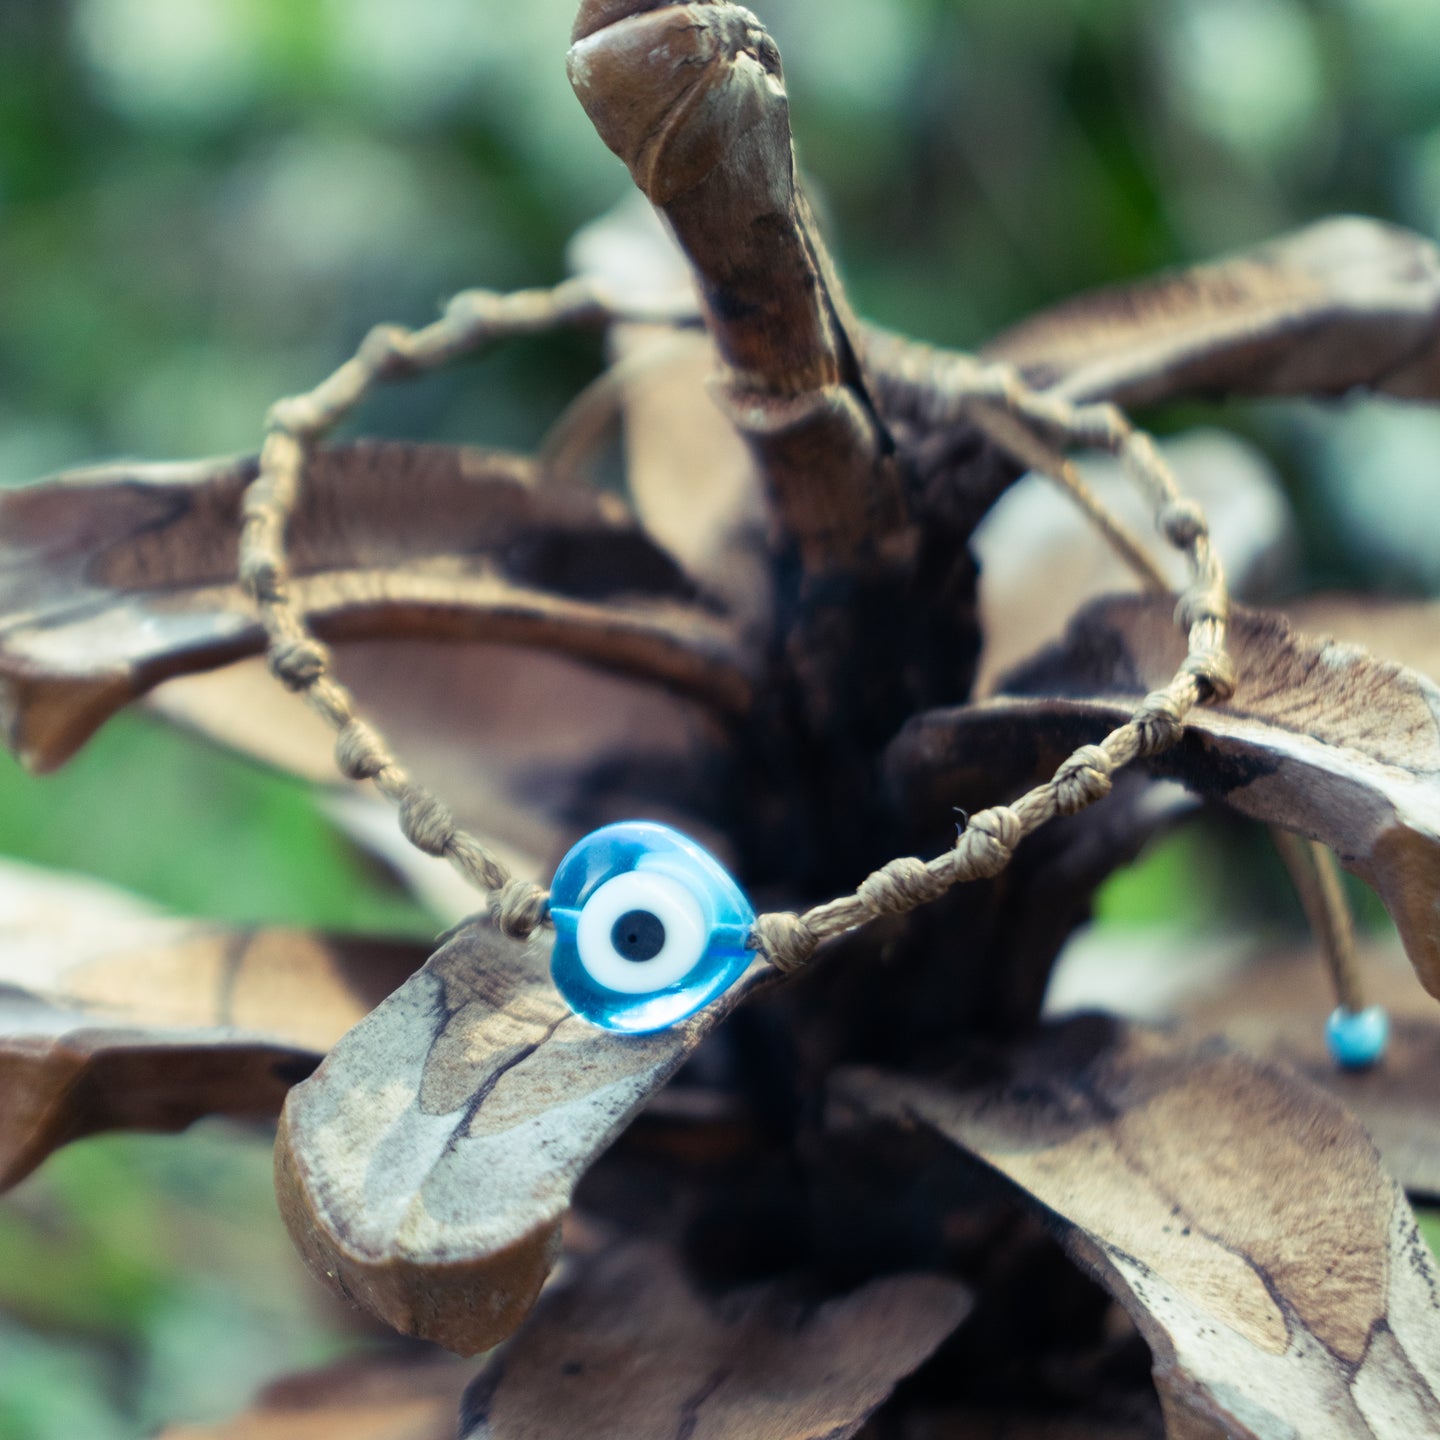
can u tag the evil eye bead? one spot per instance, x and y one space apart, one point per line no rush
649 928
640 932
1357 1038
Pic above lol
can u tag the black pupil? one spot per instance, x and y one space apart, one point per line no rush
638 935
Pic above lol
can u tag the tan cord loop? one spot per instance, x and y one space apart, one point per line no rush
476 863
384 350
987 843
937 389
298 663
943 389
785 939
261 577
293 424
331 701
1201 605
1082 779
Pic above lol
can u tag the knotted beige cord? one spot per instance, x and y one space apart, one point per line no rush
301 662
942 388
951 386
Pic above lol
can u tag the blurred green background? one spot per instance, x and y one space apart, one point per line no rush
205 203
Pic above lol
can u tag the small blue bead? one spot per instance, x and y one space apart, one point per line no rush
1357 1039
643 907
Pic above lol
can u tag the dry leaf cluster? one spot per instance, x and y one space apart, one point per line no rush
885 1198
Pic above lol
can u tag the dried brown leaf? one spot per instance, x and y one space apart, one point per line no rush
1276 1007
363 1398
1345 302
529 749
688 475
628 1350
113 1016
1320 738
1240 1214
690 478
425 1168
113 580
1405 631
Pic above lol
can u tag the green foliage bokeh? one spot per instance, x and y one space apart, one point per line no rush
205 203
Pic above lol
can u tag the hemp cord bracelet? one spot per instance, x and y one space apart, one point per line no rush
931 386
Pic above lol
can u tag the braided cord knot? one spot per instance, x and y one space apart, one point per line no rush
1083 779
900 886
785 940
519 907
988 842
427 823
359 751
1158 722
298 663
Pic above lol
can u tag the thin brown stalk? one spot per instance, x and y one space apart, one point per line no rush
1316 877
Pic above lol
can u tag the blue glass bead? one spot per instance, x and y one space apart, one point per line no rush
1357 1039
648 927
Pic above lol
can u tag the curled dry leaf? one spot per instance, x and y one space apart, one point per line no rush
1346 302
425 1168
691 98
113 580
628 1350
114 1016
364 1398
1240 1214
1320 738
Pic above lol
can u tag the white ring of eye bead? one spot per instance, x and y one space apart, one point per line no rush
687 932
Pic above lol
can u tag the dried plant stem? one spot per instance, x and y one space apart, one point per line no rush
1045 460
1316 877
